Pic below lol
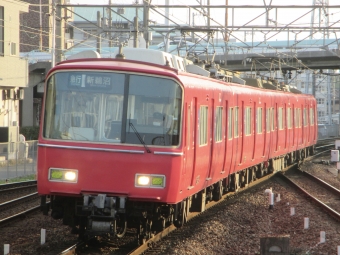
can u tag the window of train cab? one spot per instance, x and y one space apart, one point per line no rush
110 107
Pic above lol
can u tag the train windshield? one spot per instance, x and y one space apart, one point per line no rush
112 108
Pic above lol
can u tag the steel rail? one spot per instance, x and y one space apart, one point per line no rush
322 183
328 209
19 215
18 200
17 184
4 191
73 249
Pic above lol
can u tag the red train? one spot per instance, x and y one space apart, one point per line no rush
125 143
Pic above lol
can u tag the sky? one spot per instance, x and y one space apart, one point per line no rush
242 16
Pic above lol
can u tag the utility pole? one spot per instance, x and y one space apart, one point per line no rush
53 33
226 37
40 27
166 22
99 36
146 22
135 23
59 26
110 25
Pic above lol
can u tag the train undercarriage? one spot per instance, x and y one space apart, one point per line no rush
102 215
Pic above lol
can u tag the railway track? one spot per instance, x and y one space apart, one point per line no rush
17 185
323 194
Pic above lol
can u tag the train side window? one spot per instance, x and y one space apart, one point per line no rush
268 120
296 121
230 123
311 115
259 120
272 122
247 121
188 126
305 120
289 118
218 124
280 118
203 128
236 122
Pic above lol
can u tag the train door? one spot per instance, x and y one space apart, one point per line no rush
276 130
304 129
192 127
202 144
241 133
229 151
272 134
188 146
218 148
237 127
266 130
211 142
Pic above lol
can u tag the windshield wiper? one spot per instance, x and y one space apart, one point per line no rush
139 137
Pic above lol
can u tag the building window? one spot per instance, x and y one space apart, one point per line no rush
2 31
218 126
259 120
320 101
247 121
13 48
203 125
230 123
302 85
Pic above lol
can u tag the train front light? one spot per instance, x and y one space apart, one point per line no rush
150 181
63 175
143 180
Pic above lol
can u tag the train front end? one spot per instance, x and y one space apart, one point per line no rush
109 148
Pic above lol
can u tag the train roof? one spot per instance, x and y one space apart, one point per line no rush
116 64
162 63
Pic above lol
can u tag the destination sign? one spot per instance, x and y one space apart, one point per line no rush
90 81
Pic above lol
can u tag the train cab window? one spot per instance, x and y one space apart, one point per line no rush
236 122
112 108
153 111
218 124
311 116
305 117
280 118
113 117
247 121
289 118
230 123
203 125
259 120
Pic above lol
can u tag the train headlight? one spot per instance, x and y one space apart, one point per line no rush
63 175
150 181
143 180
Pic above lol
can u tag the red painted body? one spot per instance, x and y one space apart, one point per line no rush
110 168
